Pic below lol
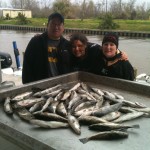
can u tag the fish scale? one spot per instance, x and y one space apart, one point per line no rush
82 101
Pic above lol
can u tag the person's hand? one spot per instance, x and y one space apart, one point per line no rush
36 34
124 56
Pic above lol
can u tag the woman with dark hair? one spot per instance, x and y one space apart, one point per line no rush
83 52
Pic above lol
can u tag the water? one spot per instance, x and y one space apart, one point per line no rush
138 50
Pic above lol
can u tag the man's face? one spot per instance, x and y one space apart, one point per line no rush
55 28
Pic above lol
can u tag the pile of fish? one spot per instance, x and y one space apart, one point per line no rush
61 107
143 78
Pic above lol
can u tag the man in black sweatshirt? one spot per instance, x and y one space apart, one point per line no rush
46 54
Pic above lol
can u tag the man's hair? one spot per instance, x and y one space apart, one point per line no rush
56 15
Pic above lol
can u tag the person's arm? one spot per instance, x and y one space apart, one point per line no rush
27 72
124 56
95 58
128 71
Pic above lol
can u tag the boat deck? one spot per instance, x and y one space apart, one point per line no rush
11 77
32 137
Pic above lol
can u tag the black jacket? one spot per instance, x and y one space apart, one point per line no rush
118 69
35 65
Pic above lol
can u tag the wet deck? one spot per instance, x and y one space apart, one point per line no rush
37 138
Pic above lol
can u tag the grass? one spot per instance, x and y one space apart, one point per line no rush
130 25
134 25
85 24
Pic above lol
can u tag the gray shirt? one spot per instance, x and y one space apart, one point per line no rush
53 57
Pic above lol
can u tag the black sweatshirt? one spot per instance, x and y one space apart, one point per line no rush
36 66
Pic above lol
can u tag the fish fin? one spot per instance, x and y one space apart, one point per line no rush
122 129
146 115
141 105
84 140
136 126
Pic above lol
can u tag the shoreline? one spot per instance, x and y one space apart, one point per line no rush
124 33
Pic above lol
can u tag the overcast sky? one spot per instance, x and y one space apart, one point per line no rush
138 2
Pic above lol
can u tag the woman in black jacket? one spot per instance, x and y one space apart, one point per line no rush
106 60
111 63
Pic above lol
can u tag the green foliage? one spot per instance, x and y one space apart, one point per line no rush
108 23
7 16
85 24
130 25
21 19
62 7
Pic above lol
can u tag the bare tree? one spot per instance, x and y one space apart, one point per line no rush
3 3
45 3
62 6
142 13
24 4
128 8
83 10
115 9
99 9
90 9
16 3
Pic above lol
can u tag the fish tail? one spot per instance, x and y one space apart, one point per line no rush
84 140
136 126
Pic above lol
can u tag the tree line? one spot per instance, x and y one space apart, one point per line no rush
83 9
